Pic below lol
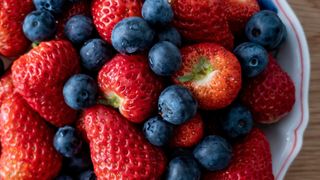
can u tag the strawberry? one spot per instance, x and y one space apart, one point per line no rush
39 77
189 133
239 12
80 126
6 87
202 21
212 73
118 149
27 143
128 84
12 13
251 160
269 96
107 13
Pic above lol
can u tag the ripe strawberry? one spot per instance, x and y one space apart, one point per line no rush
6 87
107 13
128 84
189 133
251 160
12 13
118 149
202 21
269 96
239 12
27 143
212 73
39 77
80 126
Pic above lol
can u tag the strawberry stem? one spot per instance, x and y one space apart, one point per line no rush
111 99
199 71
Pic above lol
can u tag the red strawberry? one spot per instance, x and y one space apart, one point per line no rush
189 133
80 126
118 149
239 12
202 21
271 95
251 160
6 87
81 7
128 84
212 73
27 143
39 77
12 13
107 13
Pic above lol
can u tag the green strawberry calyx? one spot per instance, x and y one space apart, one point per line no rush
199 71
111 99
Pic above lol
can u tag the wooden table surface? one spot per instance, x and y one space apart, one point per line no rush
307 165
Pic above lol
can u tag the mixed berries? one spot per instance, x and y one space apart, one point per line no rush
113 89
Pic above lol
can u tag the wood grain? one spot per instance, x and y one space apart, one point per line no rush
307 165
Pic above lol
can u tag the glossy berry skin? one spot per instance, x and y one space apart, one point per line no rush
79 29
269 96
251 160
119 150
39 77
80 91
183 168
128 83
107 13
213 153
266 28
79 162
27 150
12 40
2 70
211 73
53 6
176 105
87 175
238 121
39 26
132 35
7 89
67 142
268 5
157 131
157 12
170 34
95 53
165 58
253 58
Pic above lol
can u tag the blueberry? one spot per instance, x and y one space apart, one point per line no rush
95 53
80 91
54 6
39 26
177 105
268 5
79 162
165 58
266 28
170 34
2 69
64 177
157 12
67 142
87 175
132 35
157 131
238 121
213 153
79 29
183 168
253 58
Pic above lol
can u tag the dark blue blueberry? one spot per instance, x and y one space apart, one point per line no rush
213 153
78 163
238 121
39 26
183 168
268 5
79 29
132 35
165 58
80 91
157 12
67 142
266 28
54 6
157 131
253 58
170 34
177 105
2 69
64 177
94 53
180 152
87 175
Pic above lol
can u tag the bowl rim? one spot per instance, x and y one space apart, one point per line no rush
304 58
